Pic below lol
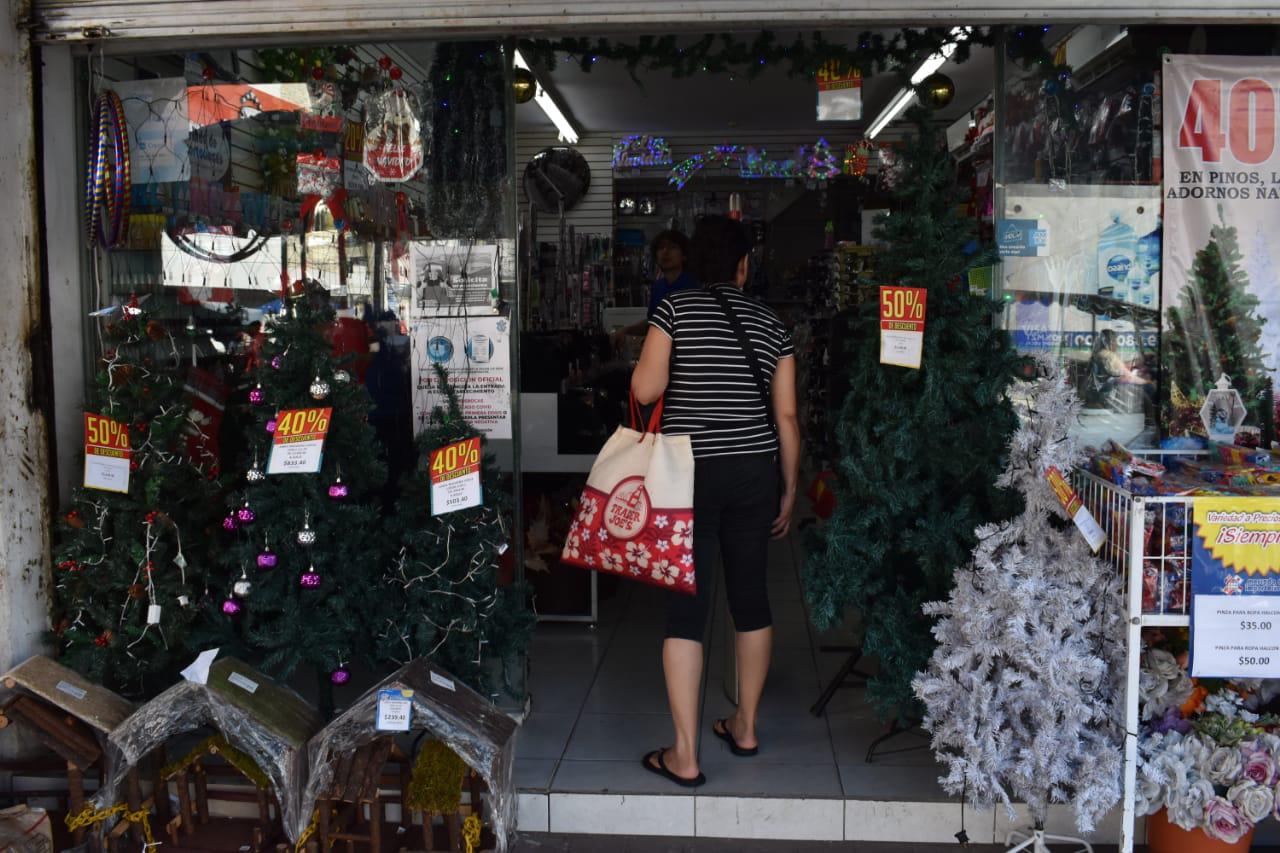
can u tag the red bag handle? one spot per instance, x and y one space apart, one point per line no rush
655 420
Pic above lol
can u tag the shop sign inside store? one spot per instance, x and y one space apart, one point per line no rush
297 445
107 456
902 325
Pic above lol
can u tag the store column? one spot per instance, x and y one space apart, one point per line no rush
24 510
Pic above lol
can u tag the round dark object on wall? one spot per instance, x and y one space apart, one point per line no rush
556 177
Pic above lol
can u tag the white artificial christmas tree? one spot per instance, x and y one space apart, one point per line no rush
1023 694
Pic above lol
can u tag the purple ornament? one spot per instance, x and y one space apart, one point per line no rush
231 607
338 490
277 361
230 523
310 579
271 425
268 559
340 676
245 515
256 396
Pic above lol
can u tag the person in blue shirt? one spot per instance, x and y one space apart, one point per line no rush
671 254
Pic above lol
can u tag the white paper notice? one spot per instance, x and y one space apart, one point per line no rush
441 681
1236 636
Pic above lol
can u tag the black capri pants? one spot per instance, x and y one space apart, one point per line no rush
735 500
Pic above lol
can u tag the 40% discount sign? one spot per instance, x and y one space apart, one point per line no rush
106 454
455 476
297 446
902 325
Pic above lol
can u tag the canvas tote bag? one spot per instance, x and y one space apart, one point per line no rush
635 516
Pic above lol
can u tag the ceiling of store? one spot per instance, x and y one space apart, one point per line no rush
607 100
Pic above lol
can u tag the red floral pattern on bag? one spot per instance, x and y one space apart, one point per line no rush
622 534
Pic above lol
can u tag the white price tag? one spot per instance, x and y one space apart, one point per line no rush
71 690
1236 636
297 446
395 710
246 684
441 681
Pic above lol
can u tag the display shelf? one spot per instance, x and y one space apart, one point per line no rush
1130 549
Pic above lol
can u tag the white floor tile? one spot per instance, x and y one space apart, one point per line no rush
936 823
757 817
622 814
531 813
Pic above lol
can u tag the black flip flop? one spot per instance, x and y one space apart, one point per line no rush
662 770
721 730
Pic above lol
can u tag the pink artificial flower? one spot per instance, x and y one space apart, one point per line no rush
1259 767
1224 822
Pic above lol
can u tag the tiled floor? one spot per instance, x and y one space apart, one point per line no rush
598 704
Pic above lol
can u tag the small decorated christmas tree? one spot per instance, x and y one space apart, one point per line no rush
922 448
1023 694
450 604
129 565
1214 329
302 546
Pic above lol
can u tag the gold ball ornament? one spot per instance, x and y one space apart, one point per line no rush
937 90
524 85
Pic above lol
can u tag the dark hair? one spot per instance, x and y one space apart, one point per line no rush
671 236
719 244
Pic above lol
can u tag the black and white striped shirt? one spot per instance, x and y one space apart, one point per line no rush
712 394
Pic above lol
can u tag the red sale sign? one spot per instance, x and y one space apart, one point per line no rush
902 325
1221 228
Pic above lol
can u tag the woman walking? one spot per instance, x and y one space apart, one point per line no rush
725 366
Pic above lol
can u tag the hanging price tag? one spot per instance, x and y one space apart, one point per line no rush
839 92
902 325
106 454
395 710
1070 500
455 476
298 444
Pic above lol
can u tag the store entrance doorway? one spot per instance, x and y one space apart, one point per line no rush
649 158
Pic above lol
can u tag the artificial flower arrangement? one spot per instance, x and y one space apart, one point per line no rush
1208 750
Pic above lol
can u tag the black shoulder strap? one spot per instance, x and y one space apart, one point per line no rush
747 350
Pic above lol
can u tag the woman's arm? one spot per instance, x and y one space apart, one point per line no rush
784 415
650 377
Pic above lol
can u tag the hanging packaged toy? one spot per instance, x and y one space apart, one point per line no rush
393 149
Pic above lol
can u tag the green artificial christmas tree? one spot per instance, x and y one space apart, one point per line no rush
301 551
1214 329
128 566
449 604
921 448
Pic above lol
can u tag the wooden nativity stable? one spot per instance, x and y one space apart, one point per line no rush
262 731
72 717
439 707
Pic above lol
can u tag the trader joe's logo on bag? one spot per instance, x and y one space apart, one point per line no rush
627 511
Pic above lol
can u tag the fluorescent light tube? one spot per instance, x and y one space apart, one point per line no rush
568 133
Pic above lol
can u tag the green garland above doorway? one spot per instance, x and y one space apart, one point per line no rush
799 54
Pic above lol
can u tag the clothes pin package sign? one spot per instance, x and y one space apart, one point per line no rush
1079 513
1235 588
297 446
106 454
455 476
902 325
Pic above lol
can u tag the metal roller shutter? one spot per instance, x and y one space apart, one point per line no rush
226 21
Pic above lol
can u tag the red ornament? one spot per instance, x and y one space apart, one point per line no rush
287 225
149 567
75 519
317 73
133 465
207 72
396 73
152 516
384 62
102 639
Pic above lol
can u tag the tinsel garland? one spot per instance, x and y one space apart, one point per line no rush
107 183
467 156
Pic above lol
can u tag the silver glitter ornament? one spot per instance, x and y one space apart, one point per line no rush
319 388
